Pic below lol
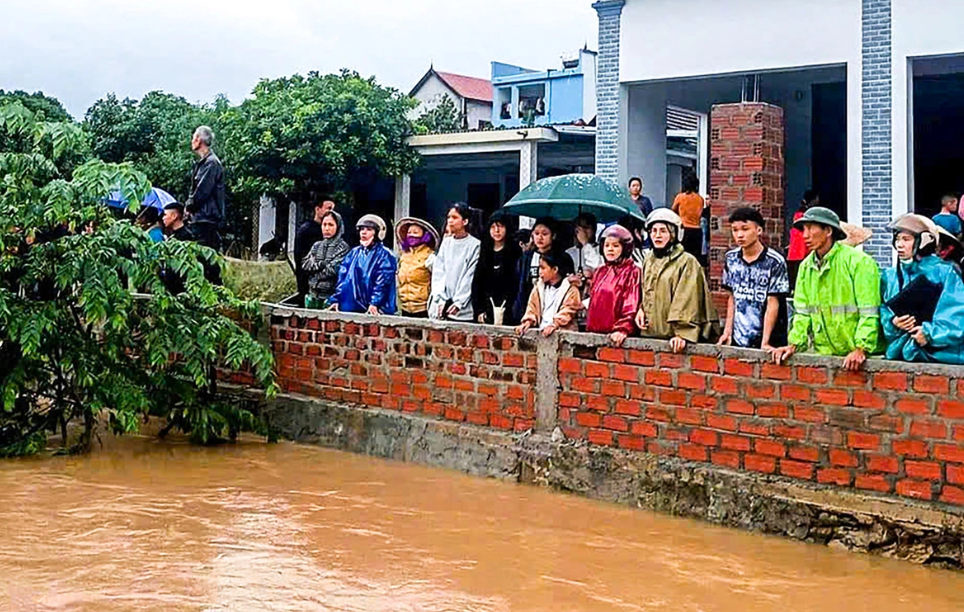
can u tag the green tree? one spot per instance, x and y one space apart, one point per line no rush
75 342
299 136
37 102
442 118
154 134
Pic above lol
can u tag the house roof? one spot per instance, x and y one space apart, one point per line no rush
470 88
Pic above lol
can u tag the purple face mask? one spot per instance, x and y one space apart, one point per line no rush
410 243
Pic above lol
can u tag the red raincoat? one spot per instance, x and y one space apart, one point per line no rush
614 299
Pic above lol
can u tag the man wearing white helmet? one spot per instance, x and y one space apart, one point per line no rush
366 279
923 297
676 303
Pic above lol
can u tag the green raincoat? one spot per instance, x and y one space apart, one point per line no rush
676 298
837 303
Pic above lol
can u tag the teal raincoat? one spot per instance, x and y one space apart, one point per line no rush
945 332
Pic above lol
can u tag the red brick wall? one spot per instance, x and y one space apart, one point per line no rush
414 367
746 169
897 430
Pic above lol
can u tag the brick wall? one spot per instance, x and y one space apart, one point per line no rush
877 100
897 429
607 88
746 169
455 374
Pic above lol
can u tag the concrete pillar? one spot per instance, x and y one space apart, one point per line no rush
292 227
528 173
608 95
403 197
267 218
877 127
747 168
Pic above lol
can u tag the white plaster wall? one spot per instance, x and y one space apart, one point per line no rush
665 39
588 86
646 141
920 28
478 111
431 94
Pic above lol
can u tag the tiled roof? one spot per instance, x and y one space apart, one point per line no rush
468 87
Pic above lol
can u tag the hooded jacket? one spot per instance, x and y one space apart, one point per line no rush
837 303
565 311
366 278
945 332
415 278
614 299
324 260
676 297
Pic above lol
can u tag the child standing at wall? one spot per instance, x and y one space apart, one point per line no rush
553 302
757 281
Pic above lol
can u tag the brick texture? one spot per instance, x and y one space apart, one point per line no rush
607 88
876 128
746 169
818 424
448 374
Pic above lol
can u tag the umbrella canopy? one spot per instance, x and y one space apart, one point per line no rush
566 197
155 198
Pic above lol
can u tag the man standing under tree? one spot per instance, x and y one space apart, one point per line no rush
206 203
307 235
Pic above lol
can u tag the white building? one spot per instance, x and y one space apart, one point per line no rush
872 93
472 96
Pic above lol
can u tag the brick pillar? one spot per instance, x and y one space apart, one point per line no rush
876 129
607 88
746 169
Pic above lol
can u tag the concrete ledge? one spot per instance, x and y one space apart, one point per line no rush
924 533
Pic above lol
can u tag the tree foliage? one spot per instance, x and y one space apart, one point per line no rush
75 341
37 103
299 136
442 118
153 134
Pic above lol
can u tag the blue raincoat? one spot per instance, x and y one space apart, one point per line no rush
366 278
945 332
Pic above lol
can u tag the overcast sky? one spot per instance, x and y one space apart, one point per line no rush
78 50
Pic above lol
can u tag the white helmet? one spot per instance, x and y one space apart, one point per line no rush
667 216
920 226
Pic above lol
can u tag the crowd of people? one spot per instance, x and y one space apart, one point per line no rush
648 281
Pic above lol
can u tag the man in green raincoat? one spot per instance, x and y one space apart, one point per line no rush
837 297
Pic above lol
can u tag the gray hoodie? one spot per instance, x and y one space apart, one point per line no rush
323 261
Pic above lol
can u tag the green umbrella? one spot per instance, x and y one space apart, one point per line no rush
565 197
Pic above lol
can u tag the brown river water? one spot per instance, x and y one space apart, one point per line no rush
148 525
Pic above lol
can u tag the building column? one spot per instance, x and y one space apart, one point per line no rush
528 173
608 145
403 197
528 164
292 227
267 218
877 127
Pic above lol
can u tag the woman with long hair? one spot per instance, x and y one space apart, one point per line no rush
496 277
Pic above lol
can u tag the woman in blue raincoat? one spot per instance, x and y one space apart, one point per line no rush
366 280
940 339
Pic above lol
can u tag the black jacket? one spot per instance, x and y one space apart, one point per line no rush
206 203
496 277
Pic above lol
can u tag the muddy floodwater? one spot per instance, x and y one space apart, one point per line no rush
146 525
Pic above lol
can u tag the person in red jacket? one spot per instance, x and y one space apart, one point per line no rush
615 294
798 250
